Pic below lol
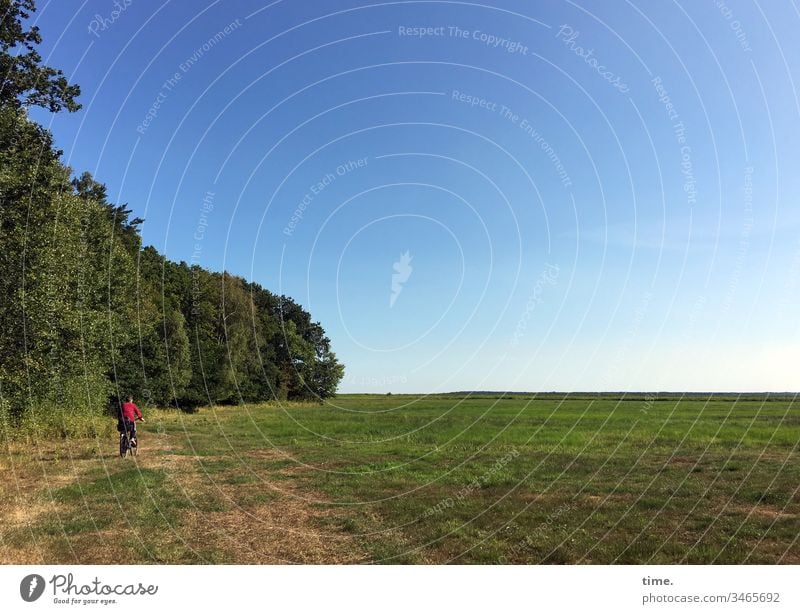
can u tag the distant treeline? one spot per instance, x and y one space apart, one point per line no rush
87 314
629 396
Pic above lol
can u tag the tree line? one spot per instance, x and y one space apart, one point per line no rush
88 314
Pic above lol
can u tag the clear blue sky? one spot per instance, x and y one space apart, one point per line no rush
593 195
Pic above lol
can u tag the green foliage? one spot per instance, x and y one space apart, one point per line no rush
24 81
5 419
90 309
89 315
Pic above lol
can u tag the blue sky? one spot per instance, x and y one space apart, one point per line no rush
591 195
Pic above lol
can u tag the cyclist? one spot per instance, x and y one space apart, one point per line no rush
129 415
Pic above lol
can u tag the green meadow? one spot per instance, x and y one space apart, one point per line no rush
409 479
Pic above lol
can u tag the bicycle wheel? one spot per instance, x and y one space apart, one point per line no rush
123 445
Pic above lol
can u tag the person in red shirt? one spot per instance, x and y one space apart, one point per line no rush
130 414
130 411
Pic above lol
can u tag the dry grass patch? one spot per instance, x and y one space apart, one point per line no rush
287 531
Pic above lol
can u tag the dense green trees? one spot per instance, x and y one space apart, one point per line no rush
60 261
24 81
87 314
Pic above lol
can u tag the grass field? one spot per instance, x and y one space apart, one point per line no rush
403 479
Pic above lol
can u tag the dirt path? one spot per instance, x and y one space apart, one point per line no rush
271 520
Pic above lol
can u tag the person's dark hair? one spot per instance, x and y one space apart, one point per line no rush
130 399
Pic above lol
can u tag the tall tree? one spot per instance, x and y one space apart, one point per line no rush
30 178
156 365
87 314
24 80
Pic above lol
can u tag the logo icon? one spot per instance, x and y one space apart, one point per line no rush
402 272
31 587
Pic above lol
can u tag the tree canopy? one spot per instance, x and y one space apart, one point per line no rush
24 80
89 314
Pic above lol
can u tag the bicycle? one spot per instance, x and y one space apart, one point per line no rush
128 443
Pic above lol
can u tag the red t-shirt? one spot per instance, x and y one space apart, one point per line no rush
130 411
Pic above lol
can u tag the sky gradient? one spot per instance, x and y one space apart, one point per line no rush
468 196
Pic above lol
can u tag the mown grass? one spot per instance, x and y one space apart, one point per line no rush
437 479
